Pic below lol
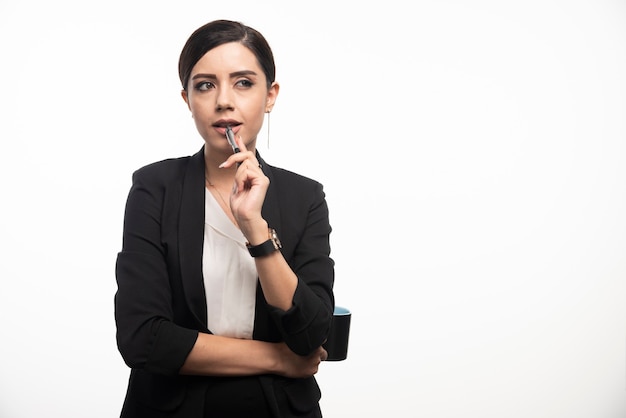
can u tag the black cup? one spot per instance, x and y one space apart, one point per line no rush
337 343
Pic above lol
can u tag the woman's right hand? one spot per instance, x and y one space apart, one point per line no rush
295 366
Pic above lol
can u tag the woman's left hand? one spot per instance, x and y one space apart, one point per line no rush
248 194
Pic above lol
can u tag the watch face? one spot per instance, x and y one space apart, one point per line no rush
275 240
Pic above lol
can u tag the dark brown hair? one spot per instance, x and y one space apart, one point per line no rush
220 32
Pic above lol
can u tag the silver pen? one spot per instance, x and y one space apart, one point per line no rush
230 137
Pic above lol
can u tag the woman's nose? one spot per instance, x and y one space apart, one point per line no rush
224 101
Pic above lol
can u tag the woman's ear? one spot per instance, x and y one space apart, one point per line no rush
272 94
183 94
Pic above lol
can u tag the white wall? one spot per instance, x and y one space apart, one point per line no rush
473 156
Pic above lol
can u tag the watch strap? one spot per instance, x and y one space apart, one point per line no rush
267 247
262 249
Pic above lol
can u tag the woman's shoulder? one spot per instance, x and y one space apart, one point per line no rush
164 166
164 170
293 179
296 187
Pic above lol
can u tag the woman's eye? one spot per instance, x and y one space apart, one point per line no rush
245 83
204 86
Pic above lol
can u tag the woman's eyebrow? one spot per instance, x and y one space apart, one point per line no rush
242 73
232 75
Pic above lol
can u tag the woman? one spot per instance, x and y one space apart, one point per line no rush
225 281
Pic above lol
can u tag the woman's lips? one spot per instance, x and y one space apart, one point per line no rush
221 126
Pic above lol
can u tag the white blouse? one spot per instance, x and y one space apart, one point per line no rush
230 276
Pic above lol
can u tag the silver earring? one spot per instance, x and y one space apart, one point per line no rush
268 129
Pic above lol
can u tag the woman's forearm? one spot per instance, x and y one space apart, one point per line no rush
277 279
214 355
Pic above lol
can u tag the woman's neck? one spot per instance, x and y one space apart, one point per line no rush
214 174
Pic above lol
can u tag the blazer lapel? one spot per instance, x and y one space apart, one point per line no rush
191 236
270 210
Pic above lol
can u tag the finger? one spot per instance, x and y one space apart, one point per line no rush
244 162
241 144
237 159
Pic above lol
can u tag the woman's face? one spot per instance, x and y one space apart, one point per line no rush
228 87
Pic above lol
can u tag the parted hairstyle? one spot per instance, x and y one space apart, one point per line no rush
218 32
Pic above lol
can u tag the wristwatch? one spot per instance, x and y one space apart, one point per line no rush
268 247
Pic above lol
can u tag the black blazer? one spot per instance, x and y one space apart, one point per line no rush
160 305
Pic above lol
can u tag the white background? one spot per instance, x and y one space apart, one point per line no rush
473 155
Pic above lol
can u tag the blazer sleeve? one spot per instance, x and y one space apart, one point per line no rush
305 326
147 336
